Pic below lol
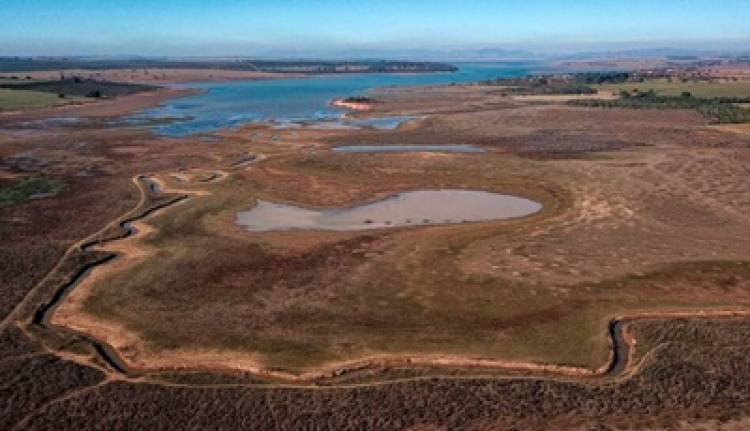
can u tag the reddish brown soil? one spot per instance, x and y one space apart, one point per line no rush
640 191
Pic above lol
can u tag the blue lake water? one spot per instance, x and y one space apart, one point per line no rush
228 104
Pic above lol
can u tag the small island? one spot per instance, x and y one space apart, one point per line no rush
356 103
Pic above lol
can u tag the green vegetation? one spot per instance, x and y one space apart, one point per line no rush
577 83
541 85
716 110
23 99
79 87
29 188
675 87
661 82
603 78
359 99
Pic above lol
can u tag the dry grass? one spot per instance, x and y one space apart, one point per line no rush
562 98
654 219
741 129
683 383
538 290
697 89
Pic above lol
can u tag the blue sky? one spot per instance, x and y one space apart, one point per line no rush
235 27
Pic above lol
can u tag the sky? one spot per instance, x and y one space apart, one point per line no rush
290 27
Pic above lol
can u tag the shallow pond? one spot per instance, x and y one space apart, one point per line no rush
424 207
379 123
51 122
458 148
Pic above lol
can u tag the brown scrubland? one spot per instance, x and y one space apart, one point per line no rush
200 324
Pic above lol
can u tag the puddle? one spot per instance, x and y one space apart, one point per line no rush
417 208
381 123
52 122
459 148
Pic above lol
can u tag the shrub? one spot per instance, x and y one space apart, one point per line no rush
718 111
28 188
359 99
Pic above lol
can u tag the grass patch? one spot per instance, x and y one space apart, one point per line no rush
701 89
78 87
26 99
29 188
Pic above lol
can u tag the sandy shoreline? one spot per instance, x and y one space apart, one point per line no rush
356 106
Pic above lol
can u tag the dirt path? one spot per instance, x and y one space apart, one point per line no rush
24 314
14 314
119 249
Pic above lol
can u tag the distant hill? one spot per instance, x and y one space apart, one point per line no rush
481 54
494 53
665 52
19 64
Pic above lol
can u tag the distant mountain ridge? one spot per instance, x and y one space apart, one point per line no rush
19 64
354 60
664 52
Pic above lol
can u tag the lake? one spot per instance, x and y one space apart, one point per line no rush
415 208
299 100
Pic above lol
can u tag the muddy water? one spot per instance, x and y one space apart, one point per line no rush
417 208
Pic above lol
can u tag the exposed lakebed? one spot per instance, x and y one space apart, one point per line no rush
415 208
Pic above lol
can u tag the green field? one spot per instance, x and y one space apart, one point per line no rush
676 88
22 99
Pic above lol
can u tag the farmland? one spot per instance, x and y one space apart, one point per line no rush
704 89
